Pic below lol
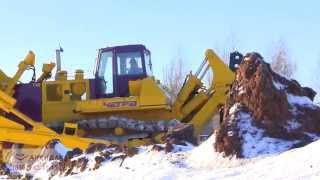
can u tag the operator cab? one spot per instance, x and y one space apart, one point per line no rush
118 65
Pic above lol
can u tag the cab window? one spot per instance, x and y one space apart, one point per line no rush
105 71
129 63
148 62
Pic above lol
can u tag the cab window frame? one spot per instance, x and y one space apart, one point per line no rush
141 59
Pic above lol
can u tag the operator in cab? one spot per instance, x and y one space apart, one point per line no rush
134 67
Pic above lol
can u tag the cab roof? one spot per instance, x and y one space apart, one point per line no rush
125 48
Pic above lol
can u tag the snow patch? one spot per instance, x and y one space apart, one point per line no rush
61 149
294 164
205 157
293 125
299 100
314 137
241 90
278 85
234 108
255 142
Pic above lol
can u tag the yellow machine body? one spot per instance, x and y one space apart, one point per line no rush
68 101
147 101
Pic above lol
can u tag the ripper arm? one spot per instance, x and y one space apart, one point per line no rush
199 102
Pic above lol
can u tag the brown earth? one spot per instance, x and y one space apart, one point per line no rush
263 93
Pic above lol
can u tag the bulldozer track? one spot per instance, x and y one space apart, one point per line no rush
130 124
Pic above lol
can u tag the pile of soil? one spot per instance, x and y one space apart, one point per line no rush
262 103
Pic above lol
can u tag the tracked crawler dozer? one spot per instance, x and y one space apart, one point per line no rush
123 103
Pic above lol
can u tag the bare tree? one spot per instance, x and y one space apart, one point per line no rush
280 60
174 75
230 44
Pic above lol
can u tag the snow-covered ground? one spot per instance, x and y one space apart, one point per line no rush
188 162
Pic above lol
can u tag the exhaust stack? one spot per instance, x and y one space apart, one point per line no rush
58 61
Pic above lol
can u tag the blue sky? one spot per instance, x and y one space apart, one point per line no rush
168 28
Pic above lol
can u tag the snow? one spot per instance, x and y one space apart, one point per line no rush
61 149
256 144
241 90
278 85
313 136
234 108
254 141
203 156
317 98
293 99
145 165
299 100
203 163
293 125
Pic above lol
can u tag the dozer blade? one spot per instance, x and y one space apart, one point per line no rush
39 135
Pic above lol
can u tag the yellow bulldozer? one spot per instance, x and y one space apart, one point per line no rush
123 103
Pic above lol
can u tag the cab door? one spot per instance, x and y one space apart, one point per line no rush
130 66
105 77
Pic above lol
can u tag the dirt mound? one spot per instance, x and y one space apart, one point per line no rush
263 106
